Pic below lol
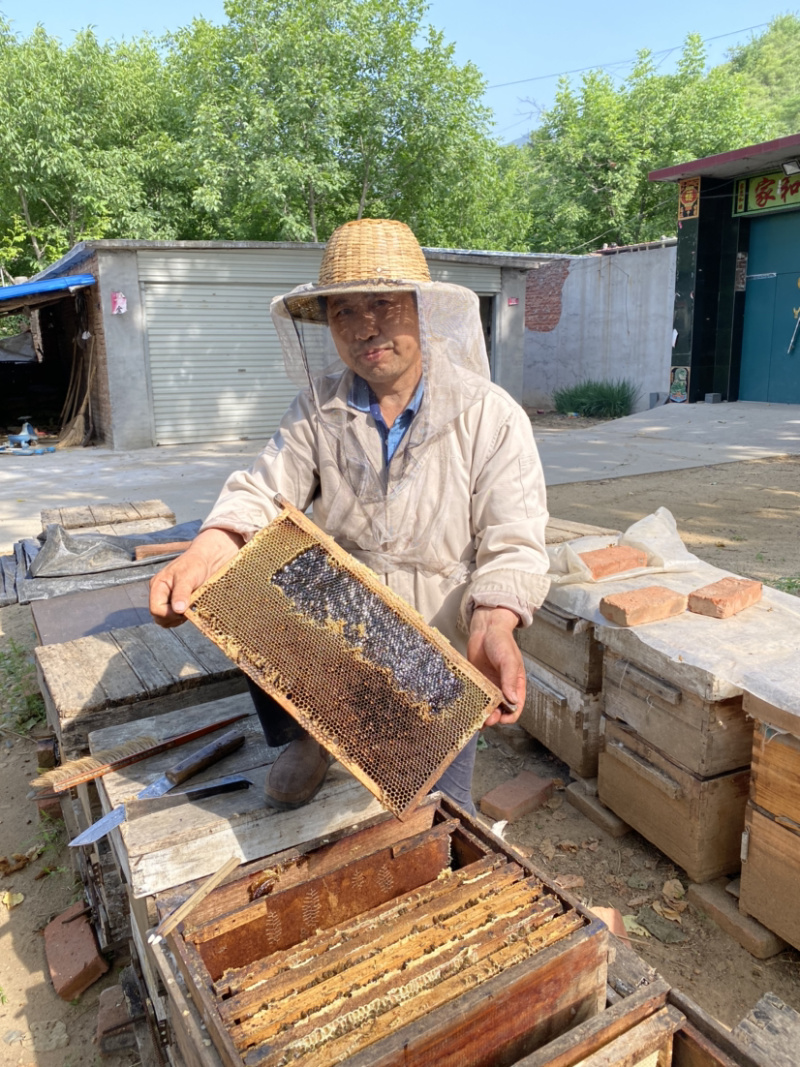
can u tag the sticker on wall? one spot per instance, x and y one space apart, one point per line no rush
119 303
679 385
689 199
740 278
513 301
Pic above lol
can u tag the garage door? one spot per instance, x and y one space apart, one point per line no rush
216 366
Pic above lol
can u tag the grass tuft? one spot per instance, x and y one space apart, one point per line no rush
786 585
597 400
21 704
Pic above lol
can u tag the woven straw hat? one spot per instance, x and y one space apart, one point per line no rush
363 256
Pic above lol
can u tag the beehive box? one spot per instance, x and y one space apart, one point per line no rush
357 667
399 944
565 644
707 737
771 873
696 821
564 718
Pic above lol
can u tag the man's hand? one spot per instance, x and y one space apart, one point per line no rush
493 650
171 588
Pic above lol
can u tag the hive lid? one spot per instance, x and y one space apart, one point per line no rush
350 660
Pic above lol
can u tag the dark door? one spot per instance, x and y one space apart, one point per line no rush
770 347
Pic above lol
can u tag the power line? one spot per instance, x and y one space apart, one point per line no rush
619 62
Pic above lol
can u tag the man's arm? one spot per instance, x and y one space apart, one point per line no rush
493 650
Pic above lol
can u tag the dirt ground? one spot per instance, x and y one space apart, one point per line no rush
743 517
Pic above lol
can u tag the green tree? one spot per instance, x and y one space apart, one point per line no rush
768 65
591 155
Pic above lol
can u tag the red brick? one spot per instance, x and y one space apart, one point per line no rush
613 920
50 808
72 954
616 559
724 598
642 605
112 1012
517 797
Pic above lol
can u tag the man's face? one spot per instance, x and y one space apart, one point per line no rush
377 336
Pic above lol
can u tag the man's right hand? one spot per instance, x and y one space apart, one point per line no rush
171 588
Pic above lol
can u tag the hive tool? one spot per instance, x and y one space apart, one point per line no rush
201 759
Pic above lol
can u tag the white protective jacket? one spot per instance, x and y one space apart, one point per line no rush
491 548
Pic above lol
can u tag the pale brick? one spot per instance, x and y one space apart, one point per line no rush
594 809
723 909
517 797
72 955
616 559
724 598
640 606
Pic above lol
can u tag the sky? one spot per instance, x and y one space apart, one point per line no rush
528 43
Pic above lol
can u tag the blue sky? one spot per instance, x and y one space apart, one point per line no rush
508 42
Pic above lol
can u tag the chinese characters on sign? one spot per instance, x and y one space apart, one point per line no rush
689 199
766 192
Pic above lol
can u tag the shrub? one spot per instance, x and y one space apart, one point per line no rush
597 400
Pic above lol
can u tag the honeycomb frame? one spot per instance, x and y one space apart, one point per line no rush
396 740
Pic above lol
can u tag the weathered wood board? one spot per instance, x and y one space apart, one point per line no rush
697 822
565 719
775 782
75 615
96 515
160 850
771 874
560 530
770 1032
124 675
706 737
768 713
565 644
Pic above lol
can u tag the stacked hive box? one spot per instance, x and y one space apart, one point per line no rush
771 842
675 754
564 671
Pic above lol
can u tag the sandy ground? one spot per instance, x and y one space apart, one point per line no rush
743 517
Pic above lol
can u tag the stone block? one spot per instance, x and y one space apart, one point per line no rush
112 1015
720 906
596 811
616 559
517 797
640 606
72 954
724 598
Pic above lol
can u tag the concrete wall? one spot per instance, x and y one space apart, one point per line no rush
599 317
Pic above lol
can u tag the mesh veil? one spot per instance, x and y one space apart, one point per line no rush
377 510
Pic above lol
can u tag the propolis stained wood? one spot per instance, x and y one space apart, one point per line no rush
479 963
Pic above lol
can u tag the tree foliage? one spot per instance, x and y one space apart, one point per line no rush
768 66
591 155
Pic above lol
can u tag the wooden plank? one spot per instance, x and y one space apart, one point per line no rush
172 657
696 822
207 654
718 1038
648 1044
781 718
154 672
185 1021
559 530
707 738
775 773
633 646
75 615
771 875
593 1033
771 1032
691 1048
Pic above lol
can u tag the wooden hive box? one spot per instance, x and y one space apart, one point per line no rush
366 925
124 675
771 873
707 737
565 644
696 821
564 718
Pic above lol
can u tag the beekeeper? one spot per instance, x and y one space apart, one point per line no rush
411 459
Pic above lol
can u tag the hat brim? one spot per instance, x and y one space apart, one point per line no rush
309 305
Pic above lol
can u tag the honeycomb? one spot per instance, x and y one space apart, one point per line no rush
354 664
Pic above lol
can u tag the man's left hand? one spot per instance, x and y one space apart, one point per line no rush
493 650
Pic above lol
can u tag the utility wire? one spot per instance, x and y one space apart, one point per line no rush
619 62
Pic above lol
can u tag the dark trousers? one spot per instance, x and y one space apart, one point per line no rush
280 728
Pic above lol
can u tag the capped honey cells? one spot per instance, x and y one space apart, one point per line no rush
349 659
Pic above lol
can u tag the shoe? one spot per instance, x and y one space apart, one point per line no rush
296 775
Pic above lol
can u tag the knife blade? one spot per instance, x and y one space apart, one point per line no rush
198 761
231 783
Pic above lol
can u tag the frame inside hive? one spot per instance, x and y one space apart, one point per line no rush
354 664
397 945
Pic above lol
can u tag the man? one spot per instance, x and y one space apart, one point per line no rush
412 460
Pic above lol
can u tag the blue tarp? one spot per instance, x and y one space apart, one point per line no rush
47 285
